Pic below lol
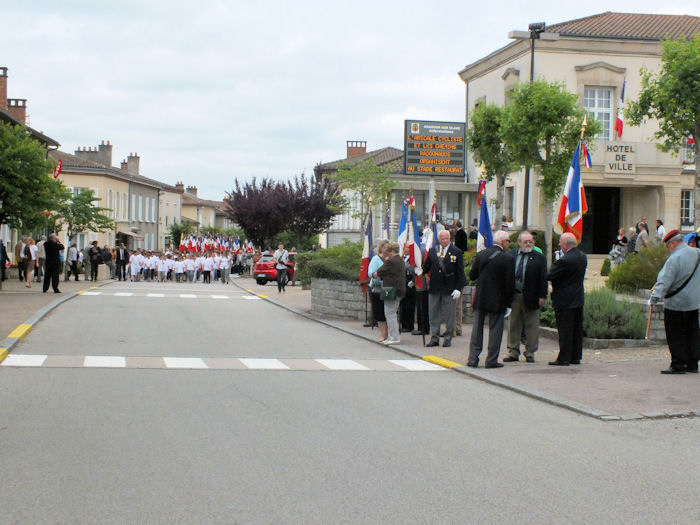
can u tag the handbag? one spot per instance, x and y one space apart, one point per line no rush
388 293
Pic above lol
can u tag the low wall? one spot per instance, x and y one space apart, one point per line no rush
337 299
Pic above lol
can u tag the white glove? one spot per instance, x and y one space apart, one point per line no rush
418 270
508 311
410 284
456 294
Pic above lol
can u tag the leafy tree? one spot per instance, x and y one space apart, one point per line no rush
672 97
26 189
210 230
178 230
541 127
484 140
363 180
304 207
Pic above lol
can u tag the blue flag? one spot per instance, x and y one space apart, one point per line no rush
484 227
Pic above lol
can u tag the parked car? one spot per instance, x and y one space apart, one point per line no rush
265 268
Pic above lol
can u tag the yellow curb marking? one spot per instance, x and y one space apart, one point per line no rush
261 296
440 361
94 287
21 331
81 292
3 354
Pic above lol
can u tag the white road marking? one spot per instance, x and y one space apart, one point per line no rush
184 362
24 360
251 297
188 296
104 361
123 294
155 295
92 293
219 297
341 364
417 365
264 364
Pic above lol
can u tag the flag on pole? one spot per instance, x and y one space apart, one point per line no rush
431 232
573 201
620 123
386 219
401 239
366 254
481 192
415 257
484 236
586 156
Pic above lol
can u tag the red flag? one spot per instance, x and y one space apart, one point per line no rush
480 193
57 169
366 254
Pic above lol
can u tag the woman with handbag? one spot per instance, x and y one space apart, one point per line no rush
392 273
375 287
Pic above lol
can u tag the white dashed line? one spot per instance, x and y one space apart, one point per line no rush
122 294
104 361
155 295
416 365
264 364
24 360
184 362
92 293
219 297
188 296
341 364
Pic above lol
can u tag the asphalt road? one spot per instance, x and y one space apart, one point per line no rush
148 442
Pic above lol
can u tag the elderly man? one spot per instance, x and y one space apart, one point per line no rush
678 285
567 274
445 266
53 263
493 271
530 296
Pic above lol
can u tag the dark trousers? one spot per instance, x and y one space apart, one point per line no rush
570 328
682 337
121 270
51 276
422 312
281 279
407 309
93 271
476 343
74 269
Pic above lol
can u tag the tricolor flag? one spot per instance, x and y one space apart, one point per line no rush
182 246
415 257
573 202
586 157
484 237
620 123
401 239
481 192
366 254
431 237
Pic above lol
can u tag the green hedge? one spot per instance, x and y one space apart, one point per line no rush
638 271
604 317
340 262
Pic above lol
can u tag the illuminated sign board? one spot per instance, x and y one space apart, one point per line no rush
434 148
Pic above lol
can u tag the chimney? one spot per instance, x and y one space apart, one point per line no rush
3 88
17 108
102 154
125 166
132 164
192 190
180 186
356 147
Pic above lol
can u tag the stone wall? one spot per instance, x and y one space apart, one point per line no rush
331 298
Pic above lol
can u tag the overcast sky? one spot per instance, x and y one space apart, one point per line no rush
210 91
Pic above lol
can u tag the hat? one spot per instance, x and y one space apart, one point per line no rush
670 235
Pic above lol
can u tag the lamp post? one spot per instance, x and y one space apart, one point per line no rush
536 31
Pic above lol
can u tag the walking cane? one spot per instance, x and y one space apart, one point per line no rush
651 307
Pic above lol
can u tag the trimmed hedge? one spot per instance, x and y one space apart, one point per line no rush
638 271
340 262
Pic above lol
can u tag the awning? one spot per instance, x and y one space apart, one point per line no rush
129 234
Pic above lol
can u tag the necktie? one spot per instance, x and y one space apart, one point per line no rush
520 272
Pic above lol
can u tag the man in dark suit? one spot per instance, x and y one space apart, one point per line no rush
461 237
53 263
567 275
530 296
122 258
493 271
445 265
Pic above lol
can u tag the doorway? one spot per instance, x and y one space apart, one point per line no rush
602 221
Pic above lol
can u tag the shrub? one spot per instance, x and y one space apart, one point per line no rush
340 262
605 269
604 317
638 271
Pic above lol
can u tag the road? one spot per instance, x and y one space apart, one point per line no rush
161 403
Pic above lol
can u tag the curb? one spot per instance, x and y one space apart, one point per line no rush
545 397
14 337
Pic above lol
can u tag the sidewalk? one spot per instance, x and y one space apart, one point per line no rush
611 384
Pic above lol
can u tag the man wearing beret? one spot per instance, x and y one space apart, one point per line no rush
678 286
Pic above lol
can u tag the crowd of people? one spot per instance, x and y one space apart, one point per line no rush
635 239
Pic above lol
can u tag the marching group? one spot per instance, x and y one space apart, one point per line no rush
515 284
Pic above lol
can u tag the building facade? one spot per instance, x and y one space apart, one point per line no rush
594 57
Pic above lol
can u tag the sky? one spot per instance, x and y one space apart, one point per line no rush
213 91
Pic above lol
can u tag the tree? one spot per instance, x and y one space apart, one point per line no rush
26 189
364 180
484 140
672 97
541 127
264 210
179 230
78 213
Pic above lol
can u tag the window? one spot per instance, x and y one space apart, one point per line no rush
689 150
154 216
687 208
147 213
133 208
598 104
140 207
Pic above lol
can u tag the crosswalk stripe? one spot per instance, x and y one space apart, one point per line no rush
155 295
104 361
341 364
92 293
416 365
24 360
122 294
184 362
264 364
188 296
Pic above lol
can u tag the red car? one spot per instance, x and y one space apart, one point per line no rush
265 269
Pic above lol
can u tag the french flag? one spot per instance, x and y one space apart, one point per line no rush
573 202
620 123
415 257
401 239
586 157
432 235
484 237
366 254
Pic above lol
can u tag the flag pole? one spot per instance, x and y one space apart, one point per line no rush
367 320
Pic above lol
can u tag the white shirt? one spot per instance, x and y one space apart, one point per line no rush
189 265
179 267
162 265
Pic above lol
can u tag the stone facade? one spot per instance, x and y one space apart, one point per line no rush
331 298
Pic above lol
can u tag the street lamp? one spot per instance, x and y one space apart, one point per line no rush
536 31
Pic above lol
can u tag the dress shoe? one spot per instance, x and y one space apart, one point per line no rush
458 333
691 370
670 370
406 330
529 358
446 343
559 363
473 365
495 365
417 332
367 325
433 342
57 291
510 359
575 362
391 342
